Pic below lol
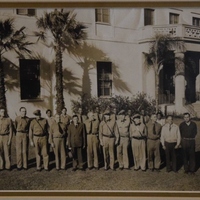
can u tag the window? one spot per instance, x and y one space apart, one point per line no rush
148 17
29 79
102 15
104 77
173 18
28 12
196 21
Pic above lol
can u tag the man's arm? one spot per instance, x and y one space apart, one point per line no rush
101 133
116 131
178 138
31 134
10 132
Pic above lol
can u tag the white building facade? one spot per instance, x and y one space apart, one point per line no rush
111 61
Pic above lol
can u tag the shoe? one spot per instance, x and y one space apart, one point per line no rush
90 168
121 168
9 169
186 172
96 168
106 169
46 170
19 169
39 170
24 168
157 170
113 169
57 169
143 170
74 169
151 170
127 168
136 169
62 168
192 173
169 170
82 169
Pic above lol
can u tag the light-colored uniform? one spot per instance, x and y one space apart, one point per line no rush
108 135
65 119
58 132
38 134
22 127
6 133
92 130
124 141
138 143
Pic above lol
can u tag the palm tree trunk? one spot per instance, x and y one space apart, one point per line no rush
157 90
2 86
59 80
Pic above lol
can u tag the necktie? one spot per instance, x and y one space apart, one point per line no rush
154 129
170 127
81 120
90 127
60 129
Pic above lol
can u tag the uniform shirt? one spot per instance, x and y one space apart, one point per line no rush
123 126
188 131
81 118
76 135
144 119
95 126
65 119
170 134
138 130
109 129
5 125
50 120
58 130
22 124
98 116
161 121
38 127
150 131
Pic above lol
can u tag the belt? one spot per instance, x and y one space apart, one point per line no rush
22 131
138 138
59 137
4 134
40 135
189 138
124 136
92 133
109 136
153 139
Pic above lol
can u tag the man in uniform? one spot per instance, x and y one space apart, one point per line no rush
138 133
109 137
22 123
170 140
92 130
188 130
80 115
97 114
64 117
153 143
38 139
144 117
124 141
6 133
58 133
76 142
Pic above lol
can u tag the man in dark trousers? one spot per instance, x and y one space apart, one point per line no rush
188 130
76 142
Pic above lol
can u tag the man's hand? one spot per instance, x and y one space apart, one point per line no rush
32 144
9 142
176 147
164 147
116 142
101 143
83 147
52 145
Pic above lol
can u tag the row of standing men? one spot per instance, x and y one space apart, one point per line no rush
144 133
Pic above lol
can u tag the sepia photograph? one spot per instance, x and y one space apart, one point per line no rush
100 99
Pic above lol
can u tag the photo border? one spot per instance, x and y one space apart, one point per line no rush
92 4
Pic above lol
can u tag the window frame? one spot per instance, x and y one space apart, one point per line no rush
174 15
102 21
27 12
198 20
152 19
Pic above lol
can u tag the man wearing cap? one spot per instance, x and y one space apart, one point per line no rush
38 139
6 133
170 140
64 117
138 133
109 137
124 141
153 143
76 142
92 130
22 123
188 130
58 133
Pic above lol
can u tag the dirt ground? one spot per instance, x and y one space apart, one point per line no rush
126 180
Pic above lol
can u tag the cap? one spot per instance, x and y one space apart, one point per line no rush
121 112
136 116
107 112
37 112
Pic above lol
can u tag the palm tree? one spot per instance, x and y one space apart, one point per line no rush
66 32
10 40
159 53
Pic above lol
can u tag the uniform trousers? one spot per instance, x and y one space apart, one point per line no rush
92 150
41 149
188 147
21 149
122 152
139 153
77 157
153 151
59 151
4 152
170 153
108 152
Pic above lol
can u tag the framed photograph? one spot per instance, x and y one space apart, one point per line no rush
100 99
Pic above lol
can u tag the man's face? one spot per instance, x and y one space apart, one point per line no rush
57 118
153 118
122 117
186 118
97 110
142 112
136 120
91 116
49 113
170 120
23 112
158 116
75 120
64 111
107 117
80 111
2 113
129 113
114 110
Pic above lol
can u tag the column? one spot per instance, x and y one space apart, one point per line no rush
179 82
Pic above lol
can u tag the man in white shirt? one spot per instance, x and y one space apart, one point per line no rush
170 140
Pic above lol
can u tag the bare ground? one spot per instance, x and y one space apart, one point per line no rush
126 180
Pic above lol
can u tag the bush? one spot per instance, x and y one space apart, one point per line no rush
135 103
